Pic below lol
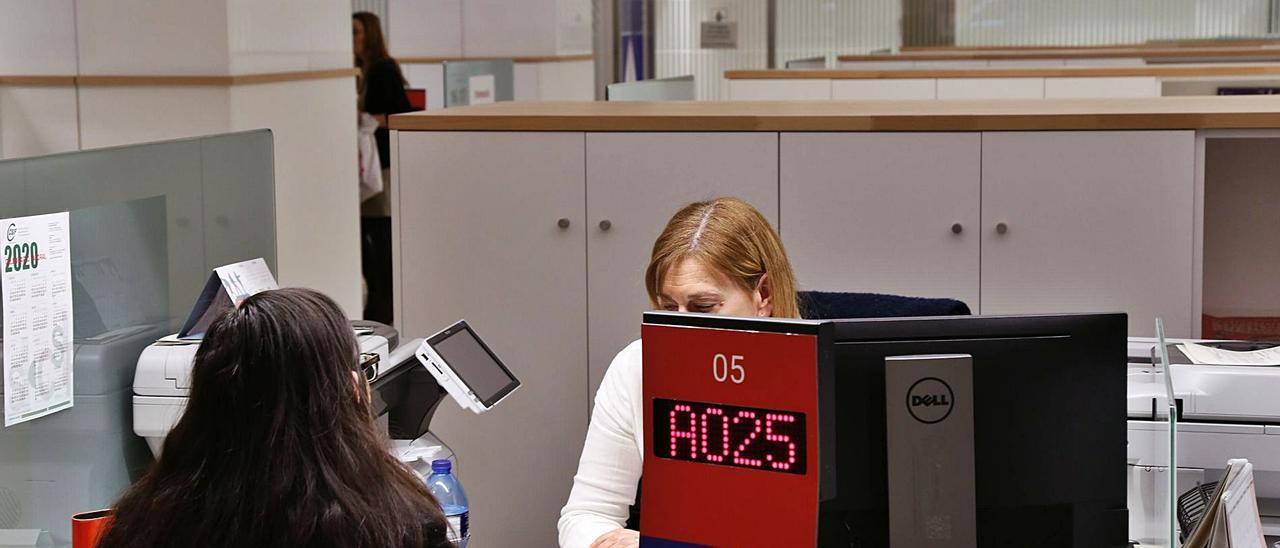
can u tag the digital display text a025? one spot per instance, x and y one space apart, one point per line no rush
729 435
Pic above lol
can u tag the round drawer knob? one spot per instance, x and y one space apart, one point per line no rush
957 228
606 224
1002 228
563 223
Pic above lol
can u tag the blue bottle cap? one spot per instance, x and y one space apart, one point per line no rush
441 466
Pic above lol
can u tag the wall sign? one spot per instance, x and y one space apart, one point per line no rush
719 32
36 285
480 89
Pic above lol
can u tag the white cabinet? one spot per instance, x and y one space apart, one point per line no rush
541 241
479 237
890 213
1090 222
635 182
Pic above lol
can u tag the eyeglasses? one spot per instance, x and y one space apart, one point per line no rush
369 366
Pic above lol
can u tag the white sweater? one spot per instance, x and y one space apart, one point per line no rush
609 469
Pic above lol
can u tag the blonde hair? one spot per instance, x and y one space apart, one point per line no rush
732 237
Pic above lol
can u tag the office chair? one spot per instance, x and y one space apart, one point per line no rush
827 305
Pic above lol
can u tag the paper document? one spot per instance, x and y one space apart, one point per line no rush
227 287
36 299
481 89
1244 528
1231 519
1207 355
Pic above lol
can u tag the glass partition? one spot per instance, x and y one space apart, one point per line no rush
677 88
478 82
772 32
148 223
1153 477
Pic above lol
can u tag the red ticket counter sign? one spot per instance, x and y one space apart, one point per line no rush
732 431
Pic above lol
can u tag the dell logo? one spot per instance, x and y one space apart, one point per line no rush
930 400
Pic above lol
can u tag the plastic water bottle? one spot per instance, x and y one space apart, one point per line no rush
453 500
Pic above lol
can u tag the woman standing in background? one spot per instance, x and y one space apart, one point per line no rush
381 93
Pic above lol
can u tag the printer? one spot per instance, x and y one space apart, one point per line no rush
1222 412
81 458
408 381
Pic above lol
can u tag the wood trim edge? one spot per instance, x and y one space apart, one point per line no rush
849 123
526 59
1198 70
37 80
207 80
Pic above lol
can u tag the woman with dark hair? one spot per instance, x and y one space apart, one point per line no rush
381 93
381 83
277 446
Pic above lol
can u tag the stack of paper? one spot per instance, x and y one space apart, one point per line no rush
1231 520
1208 355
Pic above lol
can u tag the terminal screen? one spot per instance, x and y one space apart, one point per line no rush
728 435
472 362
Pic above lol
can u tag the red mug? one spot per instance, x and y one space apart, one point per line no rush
87 528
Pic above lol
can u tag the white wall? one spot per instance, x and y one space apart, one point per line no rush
317 216
424 28
495 28
37 120
288 35
37 37
313 121
148 37
677 29
114 115
1082 22
809 28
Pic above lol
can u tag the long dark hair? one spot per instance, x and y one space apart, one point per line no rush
277 446
375 46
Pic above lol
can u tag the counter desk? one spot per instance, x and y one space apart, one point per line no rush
1001 82
1066 56
535 222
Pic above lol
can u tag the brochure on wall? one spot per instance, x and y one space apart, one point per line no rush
35 293
227 287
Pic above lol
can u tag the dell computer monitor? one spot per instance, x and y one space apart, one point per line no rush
1047 401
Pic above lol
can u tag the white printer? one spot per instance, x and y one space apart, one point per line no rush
1223 412
162 380
406 387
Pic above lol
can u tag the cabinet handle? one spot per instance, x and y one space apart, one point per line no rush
606 225
1001 228
563 223
957 228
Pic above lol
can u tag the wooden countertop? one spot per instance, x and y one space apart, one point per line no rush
1194 43
520 59
1216 52
1163 71
161 80
1046 114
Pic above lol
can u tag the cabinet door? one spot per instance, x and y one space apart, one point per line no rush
1093 222
883 212
636 181
479 237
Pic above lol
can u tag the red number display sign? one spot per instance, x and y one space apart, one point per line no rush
746 437
731 436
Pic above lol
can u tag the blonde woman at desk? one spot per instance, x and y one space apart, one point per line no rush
714 257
